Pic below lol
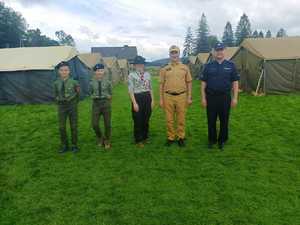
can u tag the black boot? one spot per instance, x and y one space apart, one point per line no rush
169 143
181 142
63 149
221 146
75 149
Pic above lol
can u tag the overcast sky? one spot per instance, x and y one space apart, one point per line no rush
151 25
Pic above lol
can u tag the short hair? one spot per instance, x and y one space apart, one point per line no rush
62 64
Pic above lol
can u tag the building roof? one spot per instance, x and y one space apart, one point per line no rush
34 58
274 48
125 52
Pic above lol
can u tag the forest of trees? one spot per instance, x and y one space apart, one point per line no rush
202 40
14 32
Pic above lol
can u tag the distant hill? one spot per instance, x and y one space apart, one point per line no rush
162 62
159 62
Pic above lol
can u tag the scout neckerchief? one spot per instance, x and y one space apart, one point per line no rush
63 88
99 88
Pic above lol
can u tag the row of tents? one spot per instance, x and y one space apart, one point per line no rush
266 65
27 74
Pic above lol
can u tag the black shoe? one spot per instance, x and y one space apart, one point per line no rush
75 149
221 146
211 144
169 143
181 143
63 150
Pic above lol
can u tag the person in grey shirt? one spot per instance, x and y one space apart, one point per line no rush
141 95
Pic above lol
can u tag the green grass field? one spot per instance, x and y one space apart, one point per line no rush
256 180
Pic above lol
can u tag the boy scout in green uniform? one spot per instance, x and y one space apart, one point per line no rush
66 92
101 93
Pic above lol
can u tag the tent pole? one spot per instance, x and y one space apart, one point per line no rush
259 82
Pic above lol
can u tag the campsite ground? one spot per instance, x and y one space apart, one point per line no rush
255 181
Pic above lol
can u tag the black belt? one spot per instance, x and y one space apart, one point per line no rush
142 93
66 102
216 92
174 93
100 99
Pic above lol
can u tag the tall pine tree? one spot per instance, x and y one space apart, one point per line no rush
212 41
201 42
228 38
243 29
188 43
261 34
255 34
281 33
268 34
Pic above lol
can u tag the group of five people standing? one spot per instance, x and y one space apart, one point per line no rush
219 91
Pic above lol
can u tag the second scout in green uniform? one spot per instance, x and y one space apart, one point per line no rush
66 91
101 93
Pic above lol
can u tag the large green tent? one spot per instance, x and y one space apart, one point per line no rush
269 65
114 68
124 68
27 74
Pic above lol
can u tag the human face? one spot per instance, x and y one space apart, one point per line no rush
99 73
139 67
220 55
64 72
174 56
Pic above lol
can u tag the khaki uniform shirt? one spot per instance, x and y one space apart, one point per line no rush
175 77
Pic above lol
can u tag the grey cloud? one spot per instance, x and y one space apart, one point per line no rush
87 31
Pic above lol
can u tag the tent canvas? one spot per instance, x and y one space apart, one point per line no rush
27 74
229 53
192 60
113 67
202 58
124 67
197 63
91 59
269 65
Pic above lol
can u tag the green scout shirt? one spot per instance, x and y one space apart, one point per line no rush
65 90
100 89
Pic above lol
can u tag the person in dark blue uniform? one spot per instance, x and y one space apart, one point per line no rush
219 90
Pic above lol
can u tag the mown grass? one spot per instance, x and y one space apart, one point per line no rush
256 180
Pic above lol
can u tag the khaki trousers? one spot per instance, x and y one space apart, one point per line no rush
175 109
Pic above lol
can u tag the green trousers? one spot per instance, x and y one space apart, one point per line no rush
102 107
68 110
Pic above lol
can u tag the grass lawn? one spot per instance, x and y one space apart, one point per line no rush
256 180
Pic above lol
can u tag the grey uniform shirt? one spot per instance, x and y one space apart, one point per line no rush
138 83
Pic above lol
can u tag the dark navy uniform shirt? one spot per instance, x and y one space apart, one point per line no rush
219 77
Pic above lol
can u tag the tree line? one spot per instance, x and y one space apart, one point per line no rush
202 41
14 32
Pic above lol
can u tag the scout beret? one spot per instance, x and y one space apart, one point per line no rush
98 66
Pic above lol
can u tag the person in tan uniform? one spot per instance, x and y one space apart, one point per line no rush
175 96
